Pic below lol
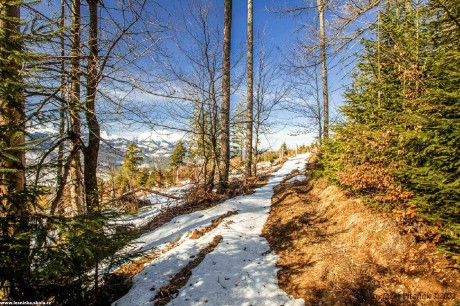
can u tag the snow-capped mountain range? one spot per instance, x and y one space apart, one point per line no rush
156 146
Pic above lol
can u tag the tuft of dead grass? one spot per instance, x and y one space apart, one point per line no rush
335 250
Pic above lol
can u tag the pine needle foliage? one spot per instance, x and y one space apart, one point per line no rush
400 142
69 258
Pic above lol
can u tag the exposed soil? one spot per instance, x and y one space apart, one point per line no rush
335 250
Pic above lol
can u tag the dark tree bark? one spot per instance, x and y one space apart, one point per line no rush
91 151
250 94
225 112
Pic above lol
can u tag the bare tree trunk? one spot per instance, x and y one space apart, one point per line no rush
250 72
75 121
212 173
241 142
257 121
256 144
318 107
225 112
60 157
214 136
92 149
379 69
322 41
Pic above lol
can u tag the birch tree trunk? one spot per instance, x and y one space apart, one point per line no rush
250 76
322 41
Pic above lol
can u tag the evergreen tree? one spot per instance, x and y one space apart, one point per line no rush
132 160
401 138
177 157
433 147
143 177
129 171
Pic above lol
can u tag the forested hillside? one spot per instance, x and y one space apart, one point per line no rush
400 139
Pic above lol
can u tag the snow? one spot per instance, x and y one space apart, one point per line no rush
49 129
159 203
159 135
300 177
240 271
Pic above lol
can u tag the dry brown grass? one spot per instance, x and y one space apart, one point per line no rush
337 251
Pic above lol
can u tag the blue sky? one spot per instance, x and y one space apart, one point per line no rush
281 32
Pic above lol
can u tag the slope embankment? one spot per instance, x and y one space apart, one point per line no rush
335 250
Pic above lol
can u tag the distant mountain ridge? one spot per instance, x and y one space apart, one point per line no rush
156 146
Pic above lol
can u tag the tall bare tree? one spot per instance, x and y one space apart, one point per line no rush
61 148
225 109
250 94
91 150
74 107
196 89
322 43
270 92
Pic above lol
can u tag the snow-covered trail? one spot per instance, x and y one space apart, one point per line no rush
240 271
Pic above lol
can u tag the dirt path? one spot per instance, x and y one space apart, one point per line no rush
239 268
337 251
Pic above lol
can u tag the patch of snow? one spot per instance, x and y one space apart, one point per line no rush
160 135
263 165
300 177
43 129
240 271
105 135
159 203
